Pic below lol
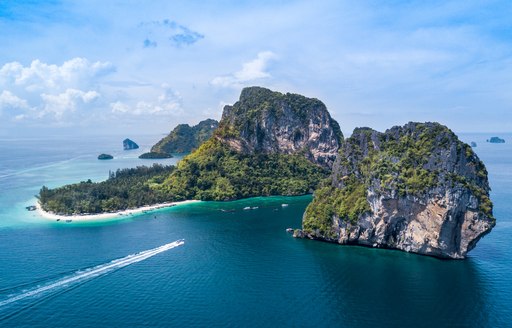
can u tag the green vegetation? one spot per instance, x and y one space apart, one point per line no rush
155 155
401 162
329 202
256 103
124 189
216 172
213 172
105 156
319 214
184 138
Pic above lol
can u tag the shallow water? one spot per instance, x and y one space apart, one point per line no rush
236 268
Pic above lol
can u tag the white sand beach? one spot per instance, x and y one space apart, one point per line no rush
106 216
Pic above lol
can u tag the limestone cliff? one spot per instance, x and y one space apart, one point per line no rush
267 143
264 121
415 188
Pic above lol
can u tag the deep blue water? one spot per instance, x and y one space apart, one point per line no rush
235 269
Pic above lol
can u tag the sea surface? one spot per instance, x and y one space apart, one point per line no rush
197 266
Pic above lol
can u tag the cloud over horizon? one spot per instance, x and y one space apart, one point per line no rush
42 90
61 94
148 67
168 102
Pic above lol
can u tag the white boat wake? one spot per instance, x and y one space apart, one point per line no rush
81 276
37 168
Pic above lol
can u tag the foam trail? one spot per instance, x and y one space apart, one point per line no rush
37 168
83 275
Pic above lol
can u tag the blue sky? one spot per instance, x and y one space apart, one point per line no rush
146 66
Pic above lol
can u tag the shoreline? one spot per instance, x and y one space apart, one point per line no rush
105 216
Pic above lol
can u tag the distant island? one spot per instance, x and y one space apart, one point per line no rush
496 140
415 188
129 144
184 138
155 155
105 157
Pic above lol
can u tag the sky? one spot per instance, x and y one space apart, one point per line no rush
100 67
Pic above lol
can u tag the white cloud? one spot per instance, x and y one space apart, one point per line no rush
253 70
119 107
41 90
39 76
19 117
169 102
10 101
68 101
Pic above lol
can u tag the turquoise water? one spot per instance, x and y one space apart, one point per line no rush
235 268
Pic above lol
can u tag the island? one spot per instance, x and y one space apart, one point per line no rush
415 188
105 157
184 138
155 155
496 140
129 144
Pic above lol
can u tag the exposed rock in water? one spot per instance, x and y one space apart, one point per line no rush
264 121
473 144
496 140
129 144
297 233
415 188
105 157
184 138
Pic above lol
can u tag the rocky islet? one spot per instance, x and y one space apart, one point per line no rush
415 188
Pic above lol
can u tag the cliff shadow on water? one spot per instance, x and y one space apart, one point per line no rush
363 283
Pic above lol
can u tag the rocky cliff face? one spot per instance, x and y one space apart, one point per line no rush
129 144
415 188
184 138
264 121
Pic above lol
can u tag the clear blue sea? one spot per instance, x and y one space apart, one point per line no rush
234 268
